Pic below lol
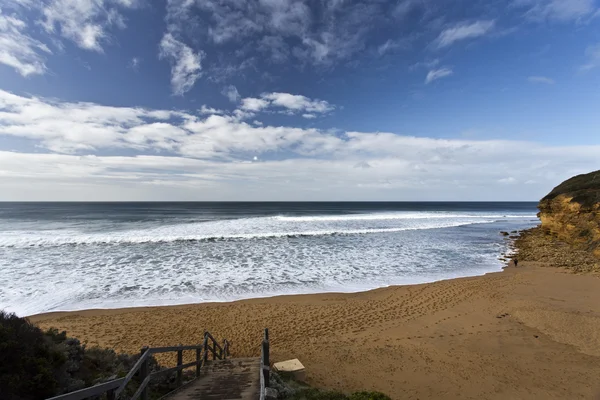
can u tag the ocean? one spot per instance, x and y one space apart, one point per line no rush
71 256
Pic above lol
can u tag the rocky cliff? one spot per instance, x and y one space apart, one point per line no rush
571 212
569 236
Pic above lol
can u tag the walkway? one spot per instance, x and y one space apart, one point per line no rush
232 379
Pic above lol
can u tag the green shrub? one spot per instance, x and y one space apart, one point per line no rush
29 363
368 396
316 394
36 365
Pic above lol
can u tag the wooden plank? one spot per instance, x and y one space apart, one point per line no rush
90 391
205 347
155 350
263 389
215 343
198 362
179 363
143 375
142 388
265 358
131 372
174 369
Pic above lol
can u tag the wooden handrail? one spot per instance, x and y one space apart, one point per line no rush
91 391
265 366
115 387
132 372
156 350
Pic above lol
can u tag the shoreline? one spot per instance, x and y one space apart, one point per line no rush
265 297
505 260
523 332
296 296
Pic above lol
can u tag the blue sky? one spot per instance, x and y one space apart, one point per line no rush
296 99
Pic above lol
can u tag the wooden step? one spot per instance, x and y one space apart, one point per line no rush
233 379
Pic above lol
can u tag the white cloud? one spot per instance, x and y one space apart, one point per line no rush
388 46
464 31
593 56
427 64
290 103
404 7
558 10
231 93
204 110
18 50
296 102
185 64
85 22
323 34
198 156
135 63
437 74
541 79
254 104
276 47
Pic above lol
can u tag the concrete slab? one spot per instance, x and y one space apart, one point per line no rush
294 367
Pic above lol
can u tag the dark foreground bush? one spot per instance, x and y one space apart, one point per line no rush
316 394
289 388
36 365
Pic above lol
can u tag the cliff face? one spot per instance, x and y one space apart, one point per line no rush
571 212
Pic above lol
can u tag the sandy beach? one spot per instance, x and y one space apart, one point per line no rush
525 333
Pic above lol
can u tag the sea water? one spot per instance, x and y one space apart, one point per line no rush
70 256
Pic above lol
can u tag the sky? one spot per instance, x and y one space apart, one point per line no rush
337 100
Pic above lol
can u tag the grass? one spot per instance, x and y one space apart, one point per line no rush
291 389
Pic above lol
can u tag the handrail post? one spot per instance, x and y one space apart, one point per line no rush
265 360
205 347
110 395
144 373
198 362
179 363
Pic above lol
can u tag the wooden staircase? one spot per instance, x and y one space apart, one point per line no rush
220 378
233 379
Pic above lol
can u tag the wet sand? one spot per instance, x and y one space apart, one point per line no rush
524 333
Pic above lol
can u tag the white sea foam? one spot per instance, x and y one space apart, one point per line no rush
394 216
67 265
250 228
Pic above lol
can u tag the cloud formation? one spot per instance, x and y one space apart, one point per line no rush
186 65
593 57
189 153
231 93
18 50
557 10
85 22
436 74
541 79
317 34
464 31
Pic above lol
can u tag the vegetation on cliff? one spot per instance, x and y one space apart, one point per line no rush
581 189
571 212
36 365
569 235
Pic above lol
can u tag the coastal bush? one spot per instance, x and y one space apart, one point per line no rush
37 365
316 394
30 365
289 388
368 396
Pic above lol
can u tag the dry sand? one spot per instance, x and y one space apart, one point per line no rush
524 333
